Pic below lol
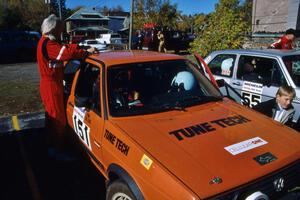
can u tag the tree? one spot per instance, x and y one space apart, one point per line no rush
226 29
168 15
36 12
186 23
22 15
200 23
160 12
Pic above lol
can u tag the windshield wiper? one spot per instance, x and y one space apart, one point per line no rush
169 106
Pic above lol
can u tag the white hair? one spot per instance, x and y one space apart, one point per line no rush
49 25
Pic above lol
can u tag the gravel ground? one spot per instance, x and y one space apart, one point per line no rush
19 88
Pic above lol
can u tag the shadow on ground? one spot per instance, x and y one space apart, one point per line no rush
27 172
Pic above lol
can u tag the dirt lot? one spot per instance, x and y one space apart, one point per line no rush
19 88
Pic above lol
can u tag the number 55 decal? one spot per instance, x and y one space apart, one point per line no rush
80 128
250 99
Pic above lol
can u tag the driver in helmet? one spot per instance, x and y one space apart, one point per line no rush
183 81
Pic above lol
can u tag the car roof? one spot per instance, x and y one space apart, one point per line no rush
262 52
110 58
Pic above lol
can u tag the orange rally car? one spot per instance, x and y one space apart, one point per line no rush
156 128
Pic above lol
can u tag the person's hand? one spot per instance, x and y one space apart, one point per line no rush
92 50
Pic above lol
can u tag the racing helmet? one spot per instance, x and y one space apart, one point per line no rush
184 80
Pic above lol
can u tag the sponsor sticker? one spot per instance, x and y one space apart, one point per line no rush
265 158
252 87
80 128
146 162
245 145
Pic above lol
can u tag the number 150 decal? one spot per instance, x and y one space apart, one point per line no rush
250 99
81 129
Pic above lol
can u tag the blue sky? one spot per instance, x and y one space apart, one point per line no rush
186 6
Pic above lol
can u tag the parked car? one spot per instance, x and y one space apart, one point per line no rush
257 74
93 43
149 120
18 45
119 43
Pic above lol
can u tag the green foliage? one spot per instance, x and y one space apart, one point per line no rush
200 23
11 13
226 29
160 12
186 23
167 14
27 15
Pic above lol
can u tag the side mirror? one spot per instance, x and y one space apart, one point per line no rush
220 82
82 101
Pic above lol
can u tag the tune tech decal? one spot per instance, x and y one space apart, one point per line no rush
206 127
119 144
245 145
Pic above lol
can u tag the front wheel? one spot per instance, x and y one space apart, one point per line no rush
118 190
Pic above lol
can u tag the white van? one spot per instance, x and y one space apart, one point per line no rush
106 38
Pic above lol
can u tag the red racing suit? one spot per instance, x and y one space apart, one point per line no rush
50 57
282 43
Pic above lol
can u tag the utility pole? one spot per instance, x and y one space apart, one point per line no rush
48 5
131 24
59 9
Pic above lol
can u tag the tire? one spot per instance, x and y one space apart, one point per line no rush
118 190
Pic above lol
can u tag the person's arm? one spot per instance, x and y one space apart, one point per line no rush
65 52
276 45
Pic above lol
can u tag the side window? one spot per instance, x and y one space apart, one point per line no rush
222 65
260 70
88 87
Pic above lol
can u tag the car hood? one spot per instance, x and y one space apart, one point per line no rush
191 144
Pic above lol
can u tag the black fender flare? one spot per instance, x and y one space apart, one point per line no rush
127 179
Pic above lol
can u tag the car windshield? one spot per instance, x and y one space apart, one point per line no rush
292 64
151 87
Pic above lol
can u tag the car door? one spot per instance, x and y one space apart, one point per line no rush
87 116
223 67
257 78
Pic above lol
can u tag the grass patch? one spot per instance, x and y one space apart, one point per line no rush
19 97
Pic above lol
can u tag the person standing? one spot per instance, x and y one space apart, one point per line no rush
140 40
161 44
286 41
280 108
51 54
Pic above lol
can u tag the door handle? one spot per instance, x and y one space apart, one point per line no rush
237 83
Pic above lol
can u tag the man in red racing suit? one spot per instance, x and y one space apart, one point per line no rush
50 57
286 41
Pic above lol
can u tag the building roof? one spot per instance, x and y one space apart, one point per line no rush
87 14
90 28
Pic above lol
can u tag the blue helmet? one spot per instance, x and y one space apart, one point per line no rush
184 80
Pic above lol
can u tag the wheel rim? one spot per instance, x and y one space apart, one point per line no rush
120 196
